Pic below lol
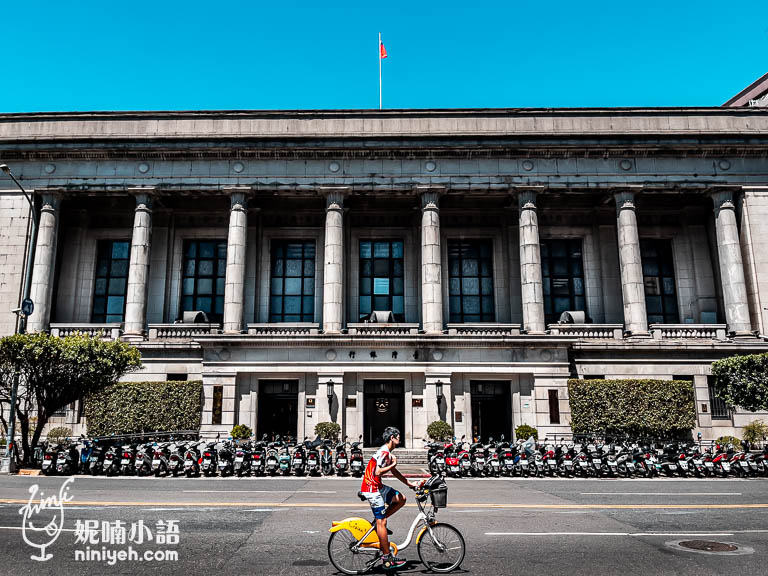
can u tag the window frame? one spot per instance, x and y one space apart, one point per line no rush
213 316
665 251
279 318
460 316
391 276
547 276
103 318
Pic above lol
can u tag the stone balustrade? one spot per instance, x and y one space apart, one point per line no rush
382 329
109 331
688 331
483 329
181 331
284 329
591 331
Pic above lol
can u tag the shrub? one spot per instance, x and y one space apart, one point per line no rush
729 440
635 407
132 407
743 381
328 430
241 432
59 434
755 432
440 431
523 432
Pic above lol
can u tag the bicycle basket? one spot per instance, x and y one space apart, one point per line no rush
438 492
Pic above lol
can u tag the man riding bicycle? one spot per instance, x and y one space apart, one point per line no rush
384 501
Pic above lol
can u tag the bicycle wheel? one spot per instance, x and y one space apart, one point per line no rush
442 550
343 558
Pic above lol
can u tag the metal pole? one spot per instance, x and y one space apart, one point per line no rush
22 317
379 51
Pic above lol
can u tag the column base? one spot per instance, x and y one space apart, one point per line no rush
133 336
742 335
638 335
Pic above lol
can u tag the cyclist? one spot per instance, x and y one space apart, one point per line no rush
384 500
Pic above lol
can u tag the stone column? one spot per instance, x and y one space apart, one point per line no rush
731 266
632 285
333 264
138 269
431 270
234 289
41 291
530 263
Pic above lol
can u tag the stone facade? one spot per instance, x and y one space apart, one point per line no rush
291 227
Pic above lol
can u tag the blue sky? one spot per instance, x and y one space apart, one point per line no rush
165 55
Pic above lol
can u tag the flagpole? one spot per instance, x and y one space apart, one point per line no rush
379 54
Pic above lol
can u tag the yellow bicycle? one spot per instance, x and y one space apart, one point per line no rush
353 546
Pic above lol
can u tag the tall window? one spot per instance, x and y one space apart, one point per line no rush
292 287
470 272
659 280
111 281
205 267
382 278
562 270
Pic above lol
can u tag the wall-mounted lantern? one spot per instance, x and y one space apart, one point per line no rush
330 392
439 391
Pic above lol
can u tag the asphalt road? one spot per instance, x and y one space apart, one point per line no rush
280 526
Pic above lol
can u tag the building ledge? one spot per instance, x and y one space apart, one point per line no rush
284 329
181 331
109 331
589 331
688 331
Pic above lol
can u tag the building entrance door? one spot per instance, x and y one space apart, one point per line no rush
384 406
278 408
491 409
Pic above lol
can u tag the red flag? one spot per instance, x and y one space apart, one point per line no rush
383 51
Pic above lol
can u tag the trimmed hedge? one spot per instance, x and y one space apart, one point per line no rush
635 407
131 407
523 432
440 431
743 381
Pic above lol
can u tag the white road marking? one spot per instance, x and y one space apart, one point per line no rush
258 510
660 493
163 509
259 491
681 534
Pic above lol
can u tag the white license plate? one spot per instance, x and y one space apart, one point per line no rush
341 461
495 464
568 464
524 464
298 461
597 461
672 467
479 459
440 461
552 464
631 465
697 462
709 464
466 464
583 464
125 461
726 466
684 465
155 462
744 464
239 459
94 459
206 462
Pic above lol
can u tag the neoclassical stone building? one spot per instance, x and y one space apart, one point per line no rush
397 266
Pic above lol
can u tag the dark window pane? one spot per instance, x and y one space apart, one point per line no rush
187 303
221 267
381 249
120 250
486 286
670 306
486 268
293 286
546 285
189 267
205 286
558 249
650 268
101 286
188 286
276 305
117 286
559 267
669 285
365 250
219 308
453 268
220 286
487 304
561 304
102 268
115 305
562 277
470 286
653 304
454 286
308 304
277 286
207 250
469 268
579 303
398 305
277 268
365 305
381 302
293 250
292 304
578 286
366 268
381 268
309 250
471 305
99 305
365 286
120 268
309 285
397 286
454 305
397 249
577 267
192 250
291 318
560 287
204 303
205 268
309 268
398 268
293 268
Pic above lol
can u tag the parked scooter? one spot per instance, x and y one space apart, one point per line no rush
356 464
160 461
326 458
342 462
225 458
192 460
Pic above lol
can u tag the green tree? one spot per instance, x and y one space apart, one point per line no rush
54 372
439 431
241 432
328 430
743 381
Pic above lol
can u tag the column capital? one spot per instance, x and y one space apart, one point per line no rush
334 196
429 196
625 197
51 200
144 196
526 196
238 196
723 197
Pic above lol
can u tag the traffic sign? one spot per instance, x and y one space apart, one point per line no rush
27 306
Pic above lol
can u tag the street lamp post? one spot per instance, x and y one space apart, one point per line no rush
26 308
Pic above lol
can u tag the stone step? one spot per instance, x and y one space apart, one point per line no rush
403 456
